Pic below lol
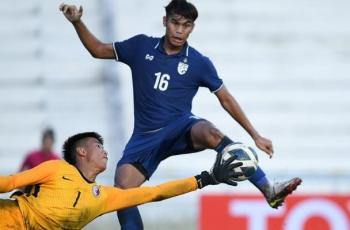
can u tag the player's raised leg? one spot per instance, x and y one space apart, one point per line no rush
128 176
205 135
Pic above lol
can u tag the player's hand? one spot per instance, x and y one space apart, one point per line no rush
71 12
265 145
223 172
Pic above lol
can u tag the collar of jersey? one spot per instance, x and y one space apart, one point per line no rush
87 180
160 48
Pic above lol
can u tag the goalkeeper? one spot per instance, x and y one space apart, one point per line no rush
64 193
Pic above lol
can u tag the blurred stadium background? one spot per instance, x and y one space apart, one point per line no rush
286 62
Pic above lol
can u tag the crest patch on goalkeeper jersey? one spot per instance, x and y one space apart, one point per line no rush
96 191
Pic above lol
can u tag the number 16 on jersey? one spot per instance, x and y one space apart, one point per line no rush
162 81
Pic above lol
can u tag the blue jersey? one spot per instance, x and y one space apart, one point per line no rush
164 85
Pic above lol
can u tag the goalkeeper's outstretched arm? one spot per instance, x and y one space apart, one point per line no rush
221 173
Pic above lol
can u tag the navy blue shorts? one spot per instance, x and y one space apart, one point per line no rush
146 150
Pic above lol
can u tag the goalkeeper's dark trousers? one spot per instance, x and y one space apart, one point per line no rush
130 219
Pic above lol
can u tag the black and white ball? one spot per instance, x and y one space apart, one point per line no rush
246 155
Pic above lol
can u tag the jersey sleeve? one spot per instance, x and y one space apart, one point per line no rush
209 76
118 198
125 50
37 175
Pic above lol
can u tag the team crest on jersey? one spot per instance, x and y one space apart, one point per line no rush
96 191
182 67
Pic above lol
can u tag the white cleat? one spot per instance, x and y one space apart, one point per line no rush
280 190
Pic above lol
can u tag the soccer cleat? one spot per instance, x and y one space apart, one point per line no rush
280 190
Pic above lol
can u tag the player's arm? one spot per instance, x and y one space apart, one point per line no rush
37 175
96 48
120 199
221 173
230 104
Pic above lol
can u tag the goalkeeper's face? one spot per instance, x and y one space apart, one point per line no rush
96 155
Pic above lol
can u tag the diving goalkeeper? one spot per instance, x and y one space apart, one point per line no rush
64 194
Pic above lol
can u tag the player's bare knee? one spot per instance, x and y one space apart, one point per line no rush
127 182
214 136
127 176
205 134
123 183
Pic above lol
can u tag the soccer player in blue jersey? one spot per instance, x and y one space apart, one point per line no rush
166 74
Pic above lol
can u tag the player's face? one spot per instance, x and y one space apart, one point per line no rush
96 154
178 29
47 144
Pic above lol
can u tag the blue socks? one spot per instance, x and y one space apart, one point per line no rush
130 219
260 180
223 143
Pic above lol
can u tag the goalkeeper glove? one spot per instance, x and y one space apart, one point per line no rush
221 173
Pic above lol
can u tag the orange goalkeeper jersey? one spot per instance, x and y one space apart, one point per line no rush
62 199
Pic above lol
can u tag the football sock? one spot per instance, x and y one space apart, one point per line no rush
130 219
260 180
223 143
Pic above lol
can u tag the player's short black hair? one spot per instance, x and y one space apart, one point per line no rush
48 133
71 144
183 8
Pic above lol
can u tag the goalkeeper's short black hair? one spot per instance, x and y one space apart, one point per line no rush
183 8
71 144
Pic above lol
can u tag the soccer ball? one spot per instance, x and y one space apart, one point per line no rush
244 154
